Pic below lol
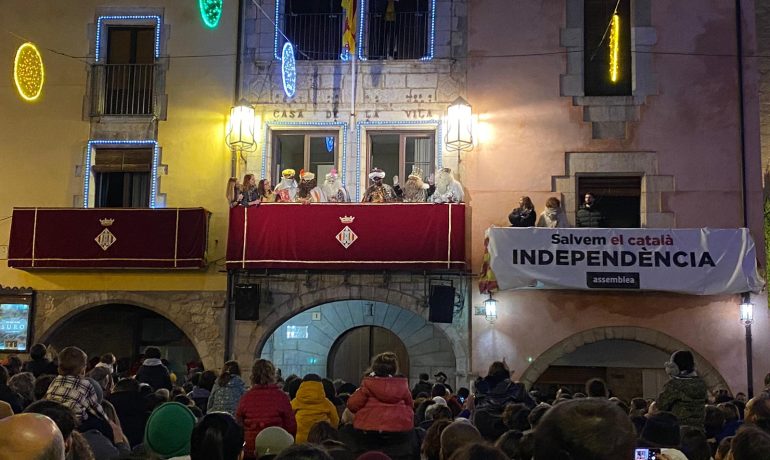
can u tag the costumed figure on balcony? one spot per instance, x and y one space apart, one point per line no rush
333 189
308 191
448 190
286 190
379 192
414 190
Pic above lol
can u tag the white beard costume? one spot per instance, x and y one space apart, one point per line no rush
334 191
448 190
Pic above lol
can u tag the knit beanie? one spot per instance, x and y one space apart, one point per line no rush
168 430
684 360
272 440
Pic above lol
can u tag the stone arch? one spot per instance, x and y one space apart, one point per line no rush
665 342
255 338
59 307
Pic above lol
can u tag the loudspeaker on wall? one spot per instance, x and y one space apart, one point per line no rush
441 303
246 298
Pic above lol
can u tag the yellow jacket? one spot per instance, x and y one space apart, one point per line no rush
311 406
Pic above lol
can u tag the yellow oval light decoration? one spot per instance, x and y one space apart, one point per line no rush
28 72
614 48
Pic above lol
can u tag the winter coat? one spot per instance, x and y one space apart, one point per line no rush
225 399
686 398
200 396
311 406
154 373
12 398
493 394
423 386
521 217
132 413
263 406
589 217
40 367
382 404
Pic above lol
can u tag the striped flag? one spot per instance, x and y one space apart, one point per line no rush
349 31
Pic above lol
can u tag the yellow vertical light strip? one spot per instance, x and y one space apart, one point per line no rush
614 48
176 237
34 235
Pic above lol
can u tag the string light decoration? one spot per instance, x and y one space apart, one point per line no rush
614 48
103 21
28 72
288 70
211 12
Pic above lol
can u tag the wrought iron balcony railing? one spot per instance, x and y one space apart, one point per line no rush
125 89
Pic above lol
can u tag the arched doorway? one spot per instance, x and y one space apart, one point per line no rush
353 351
124 330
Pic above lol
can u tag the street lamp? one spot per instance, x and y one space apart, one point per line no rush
747 317
459 126
241 130
490 309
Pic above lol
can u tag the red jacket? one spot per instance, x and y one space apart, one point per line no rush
382 404
261 407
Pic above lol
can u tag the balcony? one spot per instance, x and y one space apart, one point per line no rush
396 236
98 238
125 89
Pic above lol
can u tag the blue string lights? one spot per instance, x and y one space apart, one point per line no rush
92 145
100 22
288 70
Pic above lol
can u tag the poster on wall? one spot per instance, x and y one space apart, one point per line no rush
699 261
15 322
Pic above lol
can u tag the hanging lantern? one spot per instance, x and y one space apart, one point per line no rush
459 133
241 129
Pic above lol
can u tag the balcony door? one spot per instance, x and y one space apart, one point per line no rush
122 177
315 152
399 153
129 72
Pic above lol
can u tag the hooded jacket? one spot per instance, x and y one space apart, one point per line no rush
311 406
263 406
686 398
225 398
154 373
382 404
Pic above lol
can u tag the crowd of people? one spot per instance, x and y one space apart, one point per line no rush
445 189
55 407
589 215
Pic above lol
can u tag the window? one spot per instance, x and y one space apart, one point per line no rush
296 332
129 73
315 152
122 177
398 153
398 29
313 26
598 32
618 197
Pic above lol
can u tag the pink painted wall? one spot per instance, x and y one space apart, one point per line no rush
692 124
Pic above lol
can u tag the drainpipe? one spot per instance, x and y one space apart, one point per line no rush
742 124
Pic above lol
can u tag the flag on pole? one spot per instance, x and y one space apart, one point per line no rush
349 31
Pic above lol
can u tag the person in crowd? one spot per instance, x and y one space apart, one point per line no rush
456 435
552 216
415 190
516 417
422 386
216 437
311 406
510 444
333 189
693 444
435 412
131 410
153 372
431 444
13 364
265 191
723 450
379 192
78 393
597 388
249 191
39 364
103 377
383 402
263 405
661 430
589 214
685 393
638 407
272 441
107 361
448 190
23 384
233 192
201 392
537 413
493 392
169 431
308 190
758 411
442 379
286 190
732 421
572 430
524 215
751 443
479 451
41 385
303 452
227 390
322 431
31 436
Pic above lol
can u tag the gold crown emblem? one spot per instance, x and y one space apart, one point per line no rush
106 222
347 219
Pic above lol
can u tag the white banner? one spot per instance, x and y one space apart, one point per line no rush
690 261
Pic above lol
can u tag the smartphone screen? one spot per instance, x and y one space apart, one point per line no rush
646 454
